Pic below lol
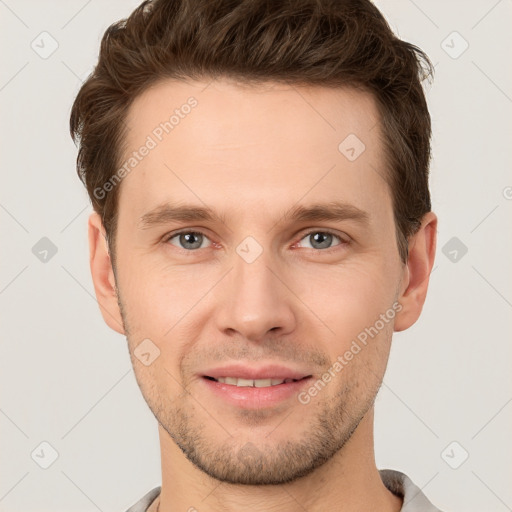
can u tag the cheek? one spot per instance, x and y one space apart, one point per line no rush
157 298
347 298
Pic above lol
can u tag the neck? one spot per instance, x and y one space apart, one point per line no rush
349 481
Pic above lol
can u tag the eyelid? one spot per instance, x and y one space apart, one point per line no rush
172 234
343 238
166 238
325 230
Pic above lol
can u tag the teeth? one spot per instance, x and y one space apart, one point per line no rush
258 383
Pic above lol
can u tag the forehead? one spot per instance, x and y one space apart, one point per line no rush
231 145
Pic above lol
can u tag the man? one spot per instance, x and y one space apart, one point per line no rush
262 225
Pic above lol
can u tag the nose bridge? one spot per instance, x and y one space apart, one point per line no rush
256 300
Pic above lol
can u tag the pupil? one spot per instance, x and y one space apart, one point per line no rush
187 240
322 239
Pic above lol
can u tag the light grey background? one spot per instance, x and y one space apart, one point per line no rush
66 379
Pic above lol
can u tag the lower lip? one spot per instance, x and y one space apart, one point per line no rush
255 398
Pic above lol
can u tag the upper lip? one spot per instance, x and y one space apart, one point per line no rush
270 371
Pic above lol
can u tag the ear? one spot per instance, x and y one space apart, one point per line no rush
416 273
103 274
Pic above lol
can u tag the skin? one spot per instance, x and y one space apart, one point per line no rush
251 153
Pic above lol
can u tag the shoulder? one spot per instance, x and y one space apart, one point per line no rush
401 485
143 504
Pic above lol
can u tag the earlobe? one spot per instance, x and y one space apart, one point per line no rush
416 274
103 275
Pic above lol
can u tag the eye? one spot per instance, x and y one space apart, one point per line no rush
188 240
193 240
321 240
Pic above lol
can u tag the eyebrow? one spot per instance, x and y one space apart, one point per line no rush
169 212
332 211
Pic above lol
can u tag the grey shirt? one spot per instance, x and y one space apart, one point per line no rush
398 483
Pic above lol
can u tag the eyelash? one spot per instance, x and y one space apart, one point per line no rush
342 243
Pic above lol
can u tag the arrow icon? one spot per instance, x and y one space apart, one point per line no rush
249 253
351 147
454 249
454 455
44 250
44 44
454 45
146 352
44 455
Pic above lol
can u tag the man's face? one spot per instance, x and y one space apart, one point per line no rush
257 286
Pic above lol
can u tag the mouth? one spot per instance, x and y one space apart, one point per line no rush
256 383
250 386
254 393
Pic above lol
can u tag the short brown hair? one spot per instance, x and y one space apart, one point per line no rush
303 42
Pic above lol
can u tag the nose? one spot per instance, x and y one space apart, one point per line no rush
256 300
